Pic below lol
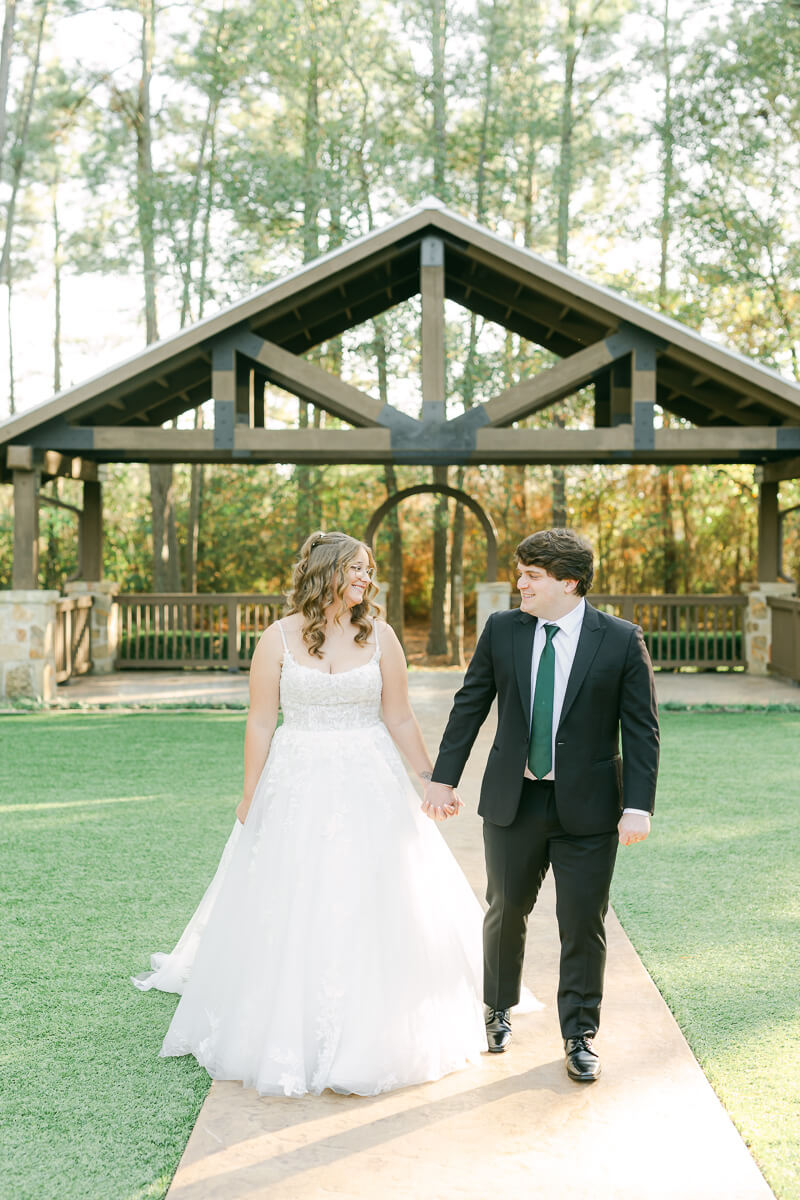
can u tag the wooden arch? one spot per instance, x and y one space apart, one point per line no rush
442 489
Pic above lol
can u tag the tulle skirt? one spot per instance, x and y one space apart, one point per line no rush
339 944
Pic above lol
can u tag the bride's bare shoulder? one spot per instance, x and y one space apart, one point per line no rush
291 624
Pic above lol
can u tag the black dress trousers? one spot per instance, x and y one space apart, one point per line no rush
517 858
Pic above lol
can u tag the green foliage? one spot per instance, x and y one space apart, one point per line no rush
280 131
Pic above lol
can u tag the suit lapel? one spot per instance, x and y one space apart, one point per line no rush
589 640
524 629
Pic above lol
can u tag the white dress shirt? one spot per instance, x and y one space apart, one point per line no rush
565 643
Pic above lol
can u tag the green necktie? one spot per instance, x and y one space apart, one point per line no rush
540 750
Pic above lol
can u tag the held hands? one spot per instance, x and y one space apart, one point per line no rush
633 827
441 802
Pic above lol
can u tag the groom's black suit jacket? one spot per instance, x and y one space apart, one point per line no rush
610 690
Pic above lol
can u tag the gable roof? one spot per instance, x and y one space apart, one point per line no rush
543 302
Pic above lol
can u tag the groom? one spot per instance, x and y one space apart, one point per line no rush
568 680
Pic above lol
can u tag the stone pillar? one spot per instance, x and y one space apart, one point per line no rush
758 624
27 644
491 597
104 620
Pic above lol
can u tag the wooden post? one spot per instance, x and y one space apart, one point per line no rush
602 400
257 415
643 397
768 532
245 395
223 388
621 391
234 632
26 530
432 290
91 532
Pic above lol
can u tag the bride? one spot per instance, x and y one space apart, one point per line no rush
339 944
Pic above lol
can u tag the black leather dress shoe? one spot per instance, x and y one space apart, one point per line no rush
498 1029
583 1065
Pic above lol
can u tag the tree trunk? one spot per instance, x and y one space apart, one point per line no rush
669 549
564 174
12 386
459 516
5 68
195 510
439 98
667 155
207 139
145 180
20 149
166 566
166 559
437 637
303 475
56 291
395 614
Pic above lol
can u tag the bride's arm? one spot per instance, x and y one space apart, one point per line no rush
398 715
265 678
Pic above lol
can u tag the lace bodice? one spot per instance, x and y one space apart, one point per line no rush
312 699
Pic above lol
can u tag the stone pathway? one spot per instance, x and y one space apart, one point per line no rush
220 687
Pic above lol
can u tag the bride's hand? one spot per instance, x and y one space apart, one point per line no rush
440 802
242 810
455 806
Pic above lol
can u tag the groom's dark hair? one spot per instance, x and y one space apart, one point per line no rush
563 553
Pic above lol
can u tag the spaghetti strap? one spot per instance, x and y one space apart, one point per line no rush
377 639
283 636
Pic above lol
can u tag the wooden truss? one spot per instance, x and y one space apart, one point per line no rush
633 361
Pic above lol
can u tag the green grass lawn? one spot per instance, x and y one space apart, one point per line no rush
712 905
111 825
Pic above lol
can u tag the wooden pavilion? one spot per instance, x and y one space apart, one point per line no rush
733 409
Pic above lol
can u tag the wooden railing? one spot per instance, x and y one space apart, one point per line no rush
785 653
178 629
73 637
685 631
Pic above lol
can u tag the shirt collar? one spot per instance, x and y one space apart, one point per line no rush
571 622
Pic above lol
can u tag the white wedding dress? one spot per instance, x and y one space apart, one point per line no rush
339 944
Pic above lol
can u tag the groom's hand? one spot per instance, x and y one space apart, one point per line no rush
633 827
441 802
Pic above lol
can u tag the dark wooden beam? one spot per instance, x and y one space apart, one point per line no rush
563 379
788 468
25 571
310 382
643 396
91 532
223 389
620 392
602 400
768 532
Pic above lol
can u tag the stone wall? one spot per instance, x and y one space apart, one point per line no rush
491 597
27 645
104 620
758 624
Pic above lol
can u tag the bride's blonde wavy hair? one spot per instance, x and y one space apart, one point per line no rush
319 576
